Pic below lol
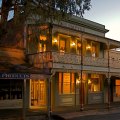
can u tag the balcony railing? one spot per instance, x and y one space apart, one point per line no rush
41 60
114 59
47 59
114 63
92 61
66 58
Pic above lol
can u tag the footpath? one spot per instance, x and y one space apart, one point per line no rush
71 115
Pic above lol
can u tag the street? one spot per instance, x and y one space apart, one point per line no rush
112 116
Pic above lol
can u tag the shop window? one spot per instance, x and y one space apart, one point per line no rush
10 89
66 83
94 83
117 89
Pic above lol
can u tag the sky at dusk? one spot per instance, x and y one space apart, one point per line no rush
106 12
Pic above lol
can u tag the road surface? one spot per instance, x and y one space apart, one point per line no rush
112 116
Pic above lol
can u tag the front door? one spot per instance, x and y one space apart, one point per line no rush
38 93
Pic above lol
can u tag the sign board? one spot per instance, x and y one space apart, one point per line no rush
14 76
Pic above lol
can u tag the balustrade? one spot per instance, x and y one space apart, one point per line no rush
46 59
92 61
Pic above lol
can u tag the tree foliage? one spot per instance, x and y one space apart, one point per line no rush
43 9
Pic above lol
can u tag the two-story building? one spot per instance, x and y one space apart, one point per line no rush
68 64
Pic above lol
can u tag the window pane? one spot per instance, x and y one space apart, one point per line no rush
88 49
62 45
72 83
117 83
66 83
60 83
79 47
10 89
94 83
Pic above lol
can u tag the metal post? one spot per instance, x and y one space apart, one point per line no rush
81 88
24 100
49 99
108 77
75 94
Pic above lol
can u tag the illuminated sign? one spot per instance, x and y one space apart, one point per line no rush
14 76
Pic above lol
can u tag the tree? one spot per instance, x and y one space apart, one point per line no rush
41 9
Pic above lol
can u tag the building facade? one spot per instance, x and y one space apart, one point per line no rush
70 64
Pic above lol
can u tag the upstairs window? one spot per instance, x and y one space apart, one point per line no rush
37 38
92 49
42 43
79 47
64 43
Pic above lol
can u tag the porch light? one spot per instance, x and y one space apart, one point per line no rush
79 45
77 81
89 81
73 44
55 41
43 37
88 47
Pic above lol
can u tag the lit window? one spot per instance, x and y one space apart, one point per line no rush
37 38
92 49
94 83
62 45
42 43
117 89
73 46
79 47
66 83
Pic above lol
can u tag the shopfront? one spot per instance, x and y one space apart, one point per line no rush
65 89
95 88
11 90
68 89
115 90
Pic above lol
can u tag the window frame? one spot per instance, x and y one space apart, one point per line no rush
61 84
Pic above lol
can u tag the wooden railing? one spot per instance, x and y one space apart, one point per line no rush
47 59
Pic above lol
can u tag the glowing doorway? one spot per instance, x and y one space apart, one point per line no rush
38 93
